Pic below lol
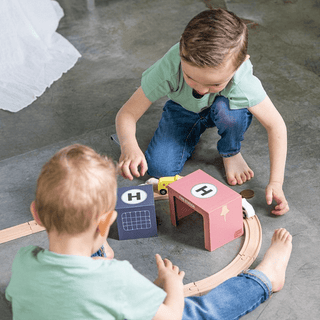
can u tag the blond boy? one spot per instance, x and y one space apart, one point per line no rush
75 201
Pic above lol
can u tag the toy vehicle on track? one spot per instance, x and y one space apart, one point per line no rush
164 181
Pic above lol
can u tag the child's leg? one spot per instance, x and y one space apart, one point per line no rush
232 124
230 300
174 141
240 295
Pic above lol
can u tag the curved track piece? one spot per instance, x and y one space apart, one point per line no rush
246 256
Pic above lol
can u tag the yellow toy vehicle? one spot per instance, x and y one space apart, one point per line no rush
164 181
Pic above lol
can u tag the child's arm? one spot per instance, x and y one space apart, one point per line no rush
131 155
170 280
271 119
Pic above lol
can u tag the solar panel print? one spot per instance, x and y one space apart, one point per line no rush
136 220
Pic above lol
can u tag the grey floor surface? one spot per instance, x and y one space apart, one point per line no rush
118 40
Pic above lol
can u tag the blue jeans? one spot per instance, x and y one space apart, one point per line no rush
179 132
100 253
230 300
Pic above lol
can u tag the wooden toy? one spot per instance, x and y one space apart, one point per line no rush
19 231
220 206
136 212
247 194
164 181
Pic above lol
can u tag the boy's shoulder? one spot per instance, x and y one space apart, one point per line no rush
244 72
164 76
174 50
245 90
28 251
169 63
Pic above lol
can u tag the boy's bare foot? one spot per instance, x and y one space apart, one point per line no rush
275 261
154 183
237 170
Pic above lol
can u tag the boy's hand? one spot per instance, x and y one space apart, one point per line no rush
170 280
130 161
274 192
168 274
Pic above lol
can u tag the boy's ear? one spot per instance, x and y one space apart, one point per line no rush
106 220
247 57
35 213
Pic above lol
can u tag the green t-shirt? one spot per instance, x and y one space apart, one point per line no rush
165 78
46 285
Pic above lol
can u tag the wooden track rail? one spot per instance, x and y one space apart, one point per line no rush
19 231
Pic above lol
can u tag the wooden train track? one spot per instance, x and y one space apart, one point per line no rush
21 230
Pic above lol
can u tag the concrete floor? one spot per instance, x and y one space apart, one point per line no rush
118 40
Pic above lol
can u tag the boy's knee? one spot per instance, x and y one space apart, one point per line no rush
159 165
221 106
160 169
228 118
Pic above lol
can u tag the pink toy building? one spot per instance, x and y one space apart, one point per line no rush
220 206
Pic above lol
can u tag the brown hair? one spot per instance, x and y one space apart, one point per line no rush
75 186
211 36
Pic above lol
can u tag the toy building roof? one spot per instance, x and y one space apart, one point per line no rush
218 194
135 196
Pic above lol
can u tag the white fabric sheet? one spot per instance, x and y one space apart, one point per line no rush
32 54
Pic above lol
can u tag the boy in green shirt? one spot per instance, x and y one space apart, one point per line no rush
208 79
75 201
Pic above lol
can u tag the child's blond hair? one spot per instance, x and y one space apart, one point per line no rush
74 187
212 36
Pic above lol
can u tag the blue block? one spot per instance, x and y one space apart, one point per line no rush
136 212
